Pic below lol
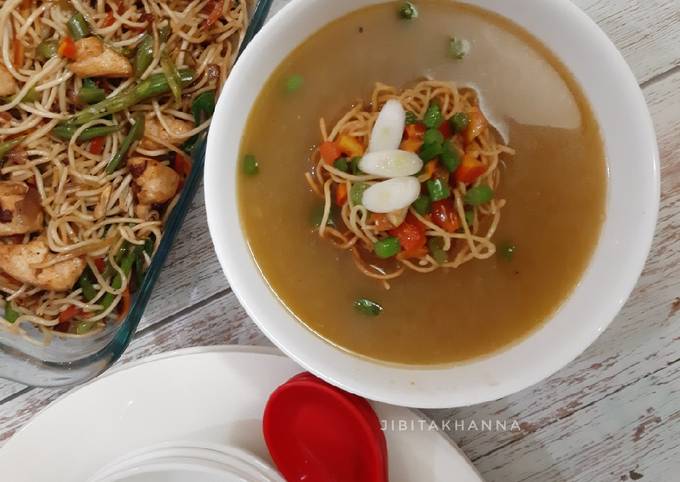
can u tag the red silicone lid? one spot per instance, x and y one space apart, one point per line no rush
316 432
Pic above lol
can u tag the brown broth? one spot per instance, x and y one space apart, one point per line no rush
555 186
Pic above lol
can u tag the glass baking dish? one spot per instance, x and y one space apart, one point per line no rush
69 361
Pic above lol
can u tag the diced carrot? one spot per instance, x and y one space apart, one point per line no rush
100 264
430 168
125 302
444 216
109 19
69 313
214 10
67 48
182 165
415 131
97 145
350 146
380 222
445 129
341 194
329 152
470 169
17 53
476 126
411 145
411 236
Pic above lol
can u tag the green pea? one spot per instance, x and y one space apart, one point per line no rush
341 164
408 11
294 82
386 248
436 248
433 136
355 166
458 48
438 189
478 195
507 251
459 122
433 117
422 205
450 157
356 193
367 307
250 165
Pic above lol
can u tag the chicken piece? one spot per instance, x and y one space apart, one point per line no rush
153 128
18 260
20 209
8 85
157 183
94 59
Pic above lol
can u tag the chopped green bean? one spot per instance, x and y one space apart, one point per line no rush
433 136
478 195
154 86
458 48
250 165
88 290
7 146
65 132
408 11
294 82
507 251
411 118
460 122
433 117
430 151
422 205
436 248
126 268
143 55
174 79
164 33
11 314
203 106
91 95
355 166
317 216
84 327
438 189
47 50
387 247
78 26
367 307
135 134
356 193
470 217
341 164
449 156
149 246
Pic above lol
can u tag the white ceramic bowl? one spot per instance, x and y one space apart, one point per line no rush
631 210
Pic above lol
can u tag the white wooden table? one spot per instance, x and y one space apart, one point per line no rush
611 415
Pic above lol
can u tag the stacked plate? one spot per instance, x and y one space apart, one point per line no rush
179 462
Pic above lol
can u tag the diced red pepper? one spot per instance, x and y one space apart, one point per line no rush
214 10
445 129
414 131
470 169
380 221
341 194
100 264
329 152
109 19
350 146
69 313
444 216
97 145
67 48
411 236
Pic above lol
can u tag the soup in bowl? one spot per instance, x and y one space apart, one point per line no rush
418 201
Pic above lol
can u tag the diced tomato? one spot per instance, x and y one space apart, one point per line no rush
350 146
470 169
97 145
125 302
341 194
109 19
380 221
17 53
214 10
444 216
445 129
476 126
329 152
67 48
182 165
69 313
100 264
414 131
411 236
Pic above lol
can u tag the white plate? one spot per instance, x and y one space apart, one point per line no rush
206 395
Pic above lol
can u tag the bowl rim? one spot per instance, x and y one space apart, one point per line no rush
602 74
